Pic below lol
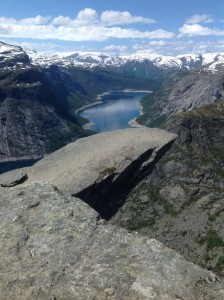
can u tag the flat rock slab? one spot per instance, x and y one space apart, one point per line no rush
81 164
53 247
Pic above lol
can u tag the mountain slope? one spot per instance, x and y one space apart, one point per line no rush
34 111
182 91
181 203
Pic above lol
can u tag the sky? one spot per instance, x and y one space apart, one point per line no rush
167 27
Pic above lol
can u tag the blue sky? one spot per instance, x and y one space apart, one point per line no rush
167 27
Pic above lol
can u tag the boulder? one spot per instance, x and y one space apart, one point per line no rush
19 178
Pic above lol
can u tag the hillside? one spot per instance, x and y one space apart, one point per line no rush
181 203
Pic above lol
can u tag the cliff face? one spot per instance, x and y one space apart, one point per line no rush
181 202
34 118
35 113
55 246
182 91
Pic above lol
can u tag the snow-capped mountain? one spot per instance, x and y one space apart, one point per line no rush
12 57
207 61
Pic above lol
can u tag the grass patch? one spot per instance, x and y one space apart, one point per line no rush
144 224
220 263
212 240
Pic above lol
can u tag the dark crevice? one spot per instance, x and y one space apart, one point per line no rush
109 195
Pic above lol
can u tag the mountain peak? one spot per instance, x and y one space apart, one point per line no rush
12 56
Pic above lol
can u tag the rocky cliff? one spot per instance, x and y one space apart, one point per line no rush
35 114
103 168
181 202
182 91
54 246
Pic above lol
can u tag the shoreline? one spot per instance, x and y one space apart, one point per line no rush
78 110
100 96
97 102
131 122
134 123
134 91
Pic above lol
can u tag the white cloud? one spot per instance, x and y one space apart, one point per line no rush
197 30
159 43
38 20
87 14
177 47
114 48
199 19
85 17
112 17
85 27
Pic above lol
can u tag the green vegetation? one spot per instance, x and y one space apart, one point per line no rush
155 197
141 224
145 214
220 263
212 240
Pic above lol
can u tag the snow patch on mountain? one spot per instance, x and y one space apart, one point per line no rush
211 62
207 61
12 57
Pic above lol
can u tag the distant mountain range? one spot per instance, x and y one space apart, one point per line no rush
10 54
209 61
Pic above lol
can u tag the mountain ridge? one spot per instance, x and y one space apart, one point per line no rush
209 61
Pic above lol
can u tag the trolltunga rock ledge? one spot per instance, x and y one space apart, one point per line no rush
102 168
54 246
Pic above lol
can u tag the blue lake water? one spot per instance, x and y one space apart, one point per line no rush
116 110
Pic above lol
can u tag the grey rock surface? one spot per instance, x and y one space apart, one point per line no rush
102 168
79 165
53 247
18 179
194 90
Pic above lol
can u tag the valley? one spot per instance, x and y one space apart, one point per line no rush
150 189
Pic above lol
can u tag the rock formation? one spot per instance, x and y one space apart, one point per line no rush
54 246
181 202
103 168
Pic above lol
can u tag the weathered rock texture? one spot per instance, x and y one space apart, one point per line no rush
102 169
194 90
53 247
180 92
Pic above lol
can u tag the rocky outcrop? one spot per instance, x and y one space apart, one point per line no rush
181 202
103 168
12 56
181 92
54 246
193 91
22 177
